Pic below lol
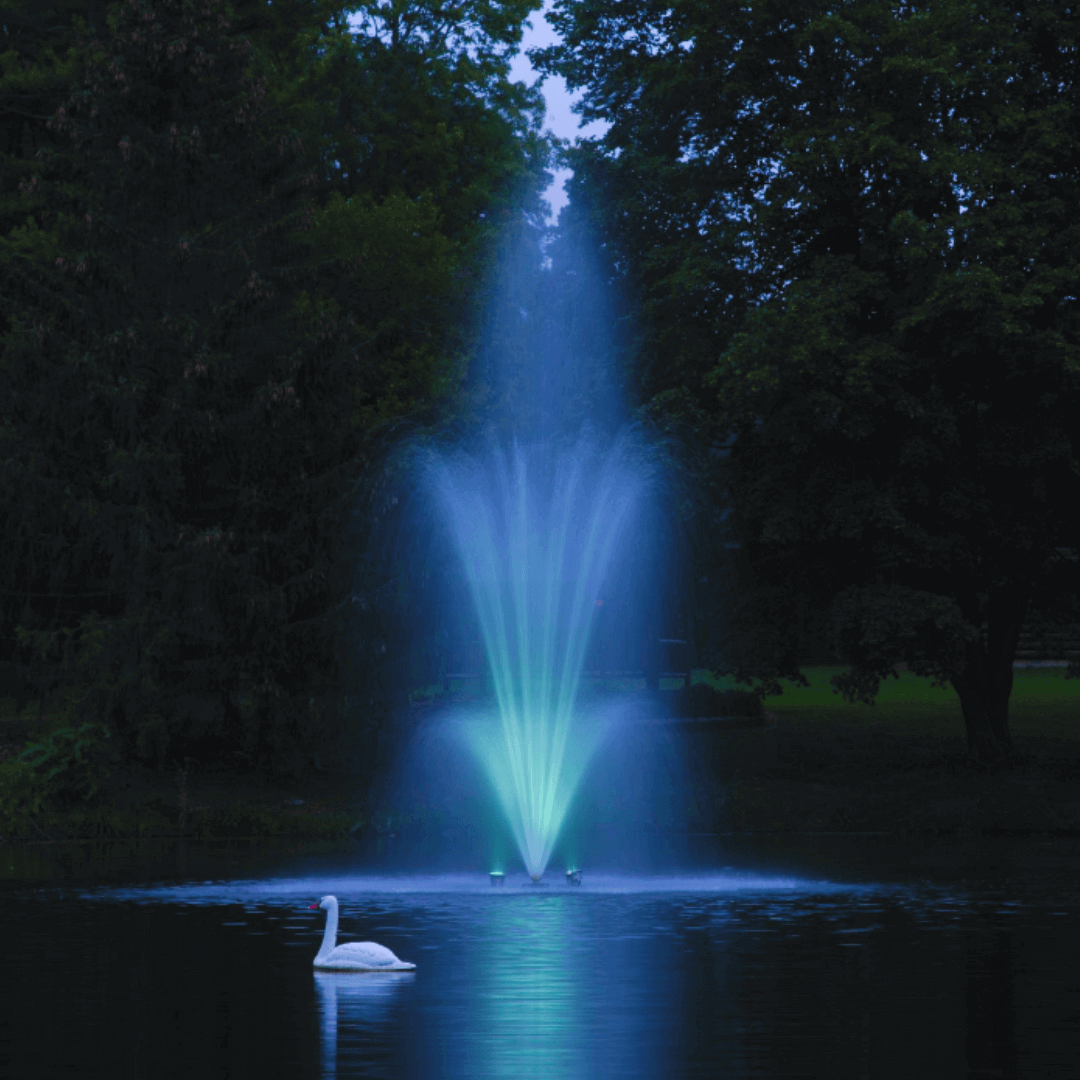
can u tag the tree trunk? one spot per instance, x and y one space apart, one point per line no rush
985 680
988 742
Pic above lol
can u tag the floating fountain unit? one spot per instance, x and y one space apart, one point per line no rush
573 877
497 877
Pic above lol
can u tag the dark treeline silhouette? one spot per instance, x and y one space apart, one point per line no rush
853 237
241 246
251 251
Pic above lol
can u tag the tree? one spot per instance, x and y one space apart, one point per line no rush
223 292
425 105
856 229
196 353
421 109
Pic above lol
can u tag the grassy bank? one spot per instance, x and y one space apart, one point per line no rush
1043 703
898 766
137 803
141 804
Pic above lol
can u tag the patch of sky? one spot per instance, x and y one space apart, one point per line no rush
560 118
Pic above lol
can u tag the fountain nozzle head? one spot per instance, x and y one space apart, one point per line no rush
573 877
535 878
497 877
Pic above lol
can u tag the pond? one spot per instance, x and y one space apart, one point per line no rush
824 957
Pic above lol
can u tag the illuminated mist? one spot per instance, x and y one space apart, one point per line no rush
536 530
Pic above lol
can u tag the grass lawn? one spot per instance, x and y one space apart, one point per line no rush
897 766
1044 704
900 765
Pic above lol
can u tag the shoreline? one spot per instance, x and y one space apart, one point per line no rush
860 783
818 767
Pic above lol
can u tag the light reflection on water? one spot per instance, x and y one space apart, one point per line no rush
527 1007
737 973
353 1009
544 980
419 886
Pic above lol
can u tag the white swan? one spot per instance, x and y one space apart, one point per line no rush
354 955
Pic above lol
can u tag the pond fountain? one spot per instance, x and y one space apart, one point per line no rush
744 956
735 956
536 530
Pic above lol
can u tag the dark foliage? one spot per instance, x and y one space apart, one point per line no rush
209 333
855 231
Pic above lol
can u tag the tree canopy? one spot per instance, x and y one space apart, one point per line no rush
855 232
224 278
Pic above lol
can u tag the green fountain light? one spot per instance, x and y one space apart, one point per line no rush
536 532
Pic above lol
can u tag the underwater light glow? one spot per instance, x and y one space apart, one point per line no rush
536 532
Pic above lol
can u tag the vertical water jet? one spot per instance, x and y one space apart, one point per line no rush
536 529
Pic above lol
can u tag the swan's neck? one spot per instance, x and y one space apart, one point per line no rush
329 938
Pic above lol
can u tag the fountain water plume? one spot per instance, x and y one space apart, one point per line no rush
536 530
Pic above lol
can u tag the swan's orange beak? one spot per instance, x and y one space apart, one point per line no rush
314 907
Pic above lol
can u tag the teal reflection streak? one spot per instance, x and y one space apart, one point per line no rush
528 1012
536 533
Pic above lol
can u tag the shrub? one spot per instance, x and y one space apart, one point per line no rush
72 765
20 793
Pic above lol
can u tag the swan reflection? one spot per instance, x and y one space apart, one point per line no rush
359 1005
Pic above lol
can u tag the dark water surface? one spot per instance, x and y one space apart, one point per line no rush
827 957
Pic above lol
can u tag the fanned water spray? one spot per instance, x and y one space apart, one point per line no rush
536 530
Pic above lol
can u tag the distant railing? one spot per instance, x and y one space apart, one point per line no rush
670 662
1049 648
